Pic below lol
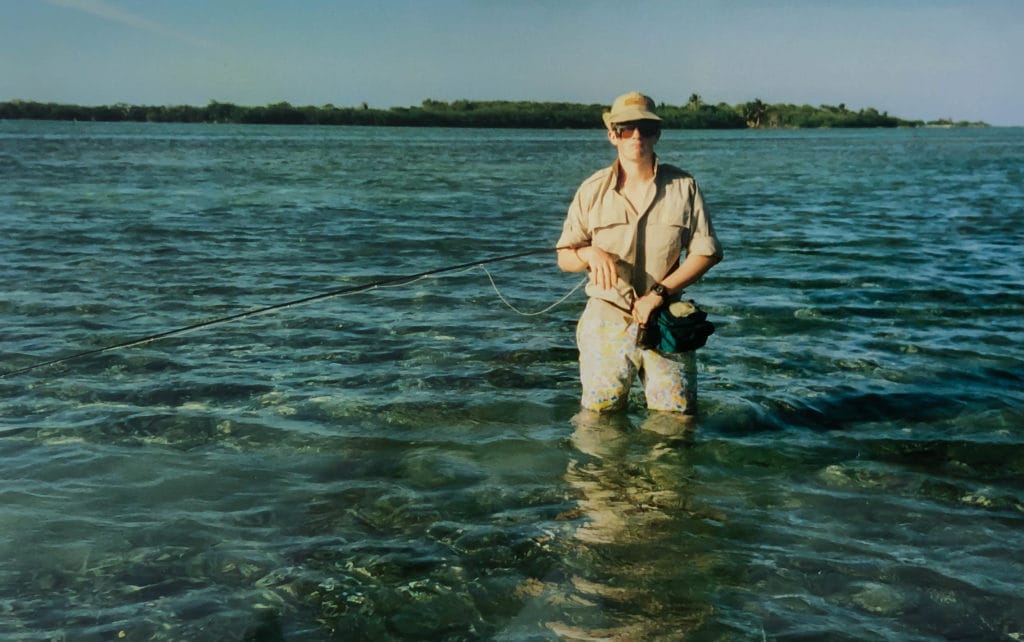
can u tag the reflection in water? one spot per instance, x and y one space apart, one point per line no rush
634 568
628 479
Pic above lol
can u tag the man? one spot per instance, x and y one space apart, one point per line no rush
629 224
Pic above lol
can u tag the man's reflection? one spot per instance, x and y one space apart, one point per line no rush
632 558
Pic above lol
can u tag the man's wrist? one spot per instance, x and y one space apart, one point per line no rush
660 290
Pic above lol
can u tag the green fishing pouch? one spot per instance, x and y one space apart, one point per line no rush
677 327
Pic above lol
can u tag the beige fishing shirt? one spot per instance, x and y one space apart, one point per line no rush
671 219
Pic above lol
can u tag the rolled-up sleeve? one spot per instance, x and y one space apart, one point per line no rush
703 240
574 229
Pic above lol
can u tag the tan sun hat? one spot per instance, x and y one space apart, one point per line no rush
630 107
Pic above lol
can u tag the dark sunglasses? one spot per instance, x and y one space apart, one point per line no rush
646 129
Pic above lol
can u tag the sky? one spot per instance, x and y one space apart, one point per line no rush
915 59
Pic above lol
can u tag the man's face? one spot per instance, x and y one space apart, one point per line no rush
635 140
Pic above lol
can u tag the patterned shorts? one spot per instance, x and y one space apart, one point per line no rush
610 360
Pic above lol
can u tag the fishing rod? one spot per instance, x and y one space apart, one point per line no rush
386 282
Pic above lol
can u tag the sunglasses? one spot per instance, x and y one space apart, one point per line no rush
646 129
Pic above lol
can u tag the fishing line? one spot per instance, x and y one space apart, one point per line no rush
501 297
538 312
380 283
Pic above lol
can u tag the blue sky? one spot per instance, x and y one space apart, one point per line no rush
912 58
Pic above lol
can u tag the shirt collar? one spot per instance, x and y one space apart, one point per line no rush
617 167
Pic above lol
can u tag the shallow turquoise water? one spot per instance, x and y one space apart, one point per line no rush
406 463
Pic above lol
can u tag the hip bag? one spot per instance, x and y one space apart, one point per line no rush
677 327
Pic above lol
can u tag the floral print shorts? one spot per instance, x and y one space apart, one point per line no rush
610 360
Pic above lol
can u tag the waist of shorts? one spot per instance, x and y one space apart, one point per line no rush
600 309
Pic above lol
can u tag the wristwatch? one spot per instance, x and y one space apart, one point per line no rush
660 290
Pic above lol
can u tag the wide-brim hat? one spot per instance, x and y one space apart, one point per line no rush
630 107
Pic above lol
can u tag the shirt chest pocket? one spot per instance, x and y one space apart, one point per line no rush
667 235
611 230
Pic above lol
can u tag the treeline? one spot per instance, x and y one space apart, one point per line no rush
470 113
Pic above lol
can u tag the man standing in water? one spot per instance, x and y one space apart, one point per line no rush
629 225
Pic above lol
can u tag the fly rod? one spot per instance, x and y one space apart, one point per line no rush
390 281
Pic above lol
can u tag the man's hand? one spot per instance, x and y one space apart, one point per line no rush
644 306
601 265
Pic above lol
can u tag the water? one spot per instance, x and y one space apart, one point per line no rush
406 464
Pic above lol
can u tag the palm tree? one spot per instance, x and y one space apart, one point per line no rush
754 113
